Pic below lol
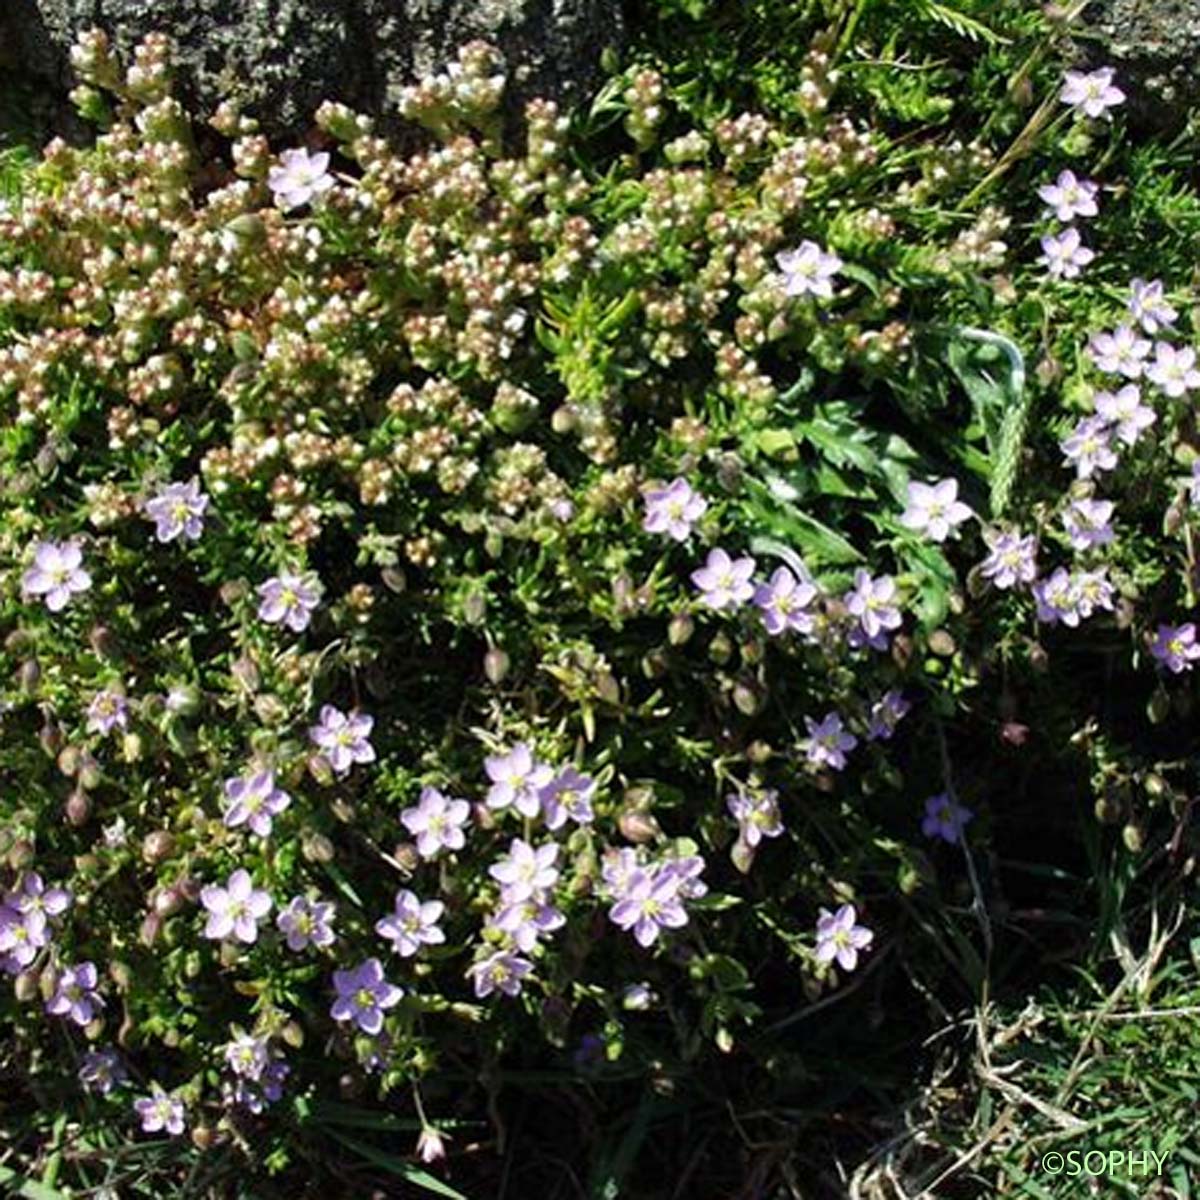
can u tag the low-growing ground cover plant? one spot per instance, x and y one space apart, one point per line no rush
604 603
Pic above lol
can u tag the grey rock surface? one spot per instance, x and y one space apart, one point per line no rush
1155 47
283 57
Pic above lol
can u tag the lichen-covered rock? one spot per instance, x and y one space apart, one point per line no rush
1155 46
281 58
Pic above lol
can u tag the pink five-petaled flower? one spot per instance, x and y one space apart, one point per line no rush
840 936
160 1112
724 582
108 710
1125 412
1175 646
886 713
526 872
306 922
1173 369
568 796
808 270
1013 558
1070 197
934 509
57 573
102 1070
436 822
499 972
289 599
784 603
299 178
873 602
757 815
944 818
1092 93
673 509
1088 447
1057 599
1149 306
517 780
254 801
75 995
178 511
413 924
235 908
1064 254
650 902
1087 523
1121 352
344 738
363 994
828 741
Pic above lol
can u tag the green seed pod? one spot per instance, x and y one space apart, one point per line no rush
681 628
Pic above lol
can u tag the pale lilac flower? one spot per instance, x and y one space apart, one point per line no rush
1125 412
102 1070
1092 590
618 867
300 177
499 972
1064 253
944 818
255 800
1012 559
724 582
1174 369
160 1112
247 1055
108 710
37 901
526 871
57 574
886 713
1057 600
1088 523
289 599
344 738
1121 352
21 937
1194 484
1175 646
235 908
568 796
673 509
757 815
840 936
934 510
650 903
1070 197
524 922
638 997
178 511
1092 93
306 922
784 603
1089 447
686 871
431 1145
363 994
517 780
828 741
75 995
436 822
413 924
873 603
1148 305
808 270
